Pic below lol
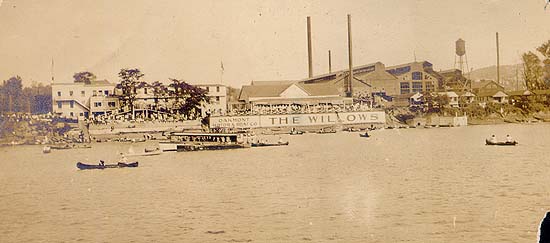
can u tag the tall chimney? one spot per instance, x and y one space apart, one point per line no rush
498 62
329 63
309 54
348 87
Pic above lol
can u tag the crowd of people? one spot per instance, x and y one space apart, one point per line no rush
299 109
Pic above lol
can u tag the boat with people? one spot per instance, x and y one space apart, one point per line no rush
102 166
264 144
326 130
364 135
507 143
192 141
152 153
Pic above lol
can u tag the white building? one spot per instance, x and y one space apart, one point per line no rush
73 100
217 104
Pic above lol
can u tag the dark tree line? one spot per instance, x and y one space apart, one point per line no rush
36 99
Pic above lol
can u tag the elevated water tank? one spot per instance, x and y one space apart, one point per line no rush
460 47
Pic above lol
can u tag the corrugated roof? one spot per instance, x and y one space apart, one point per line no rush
519 92
491 93
262 91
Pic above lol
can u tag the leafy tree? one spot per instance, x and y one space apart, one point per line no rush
84 77
129 79
544 50
533 71
12 91
188 98
159 91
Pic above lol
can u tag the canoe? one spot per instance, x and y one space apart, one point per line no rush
364 135
488 142
268 144
83 166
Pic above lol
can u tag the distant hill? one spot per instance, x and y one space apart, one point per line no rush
507 75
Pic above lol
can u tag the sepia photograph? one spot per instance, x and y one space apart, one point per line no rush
274 121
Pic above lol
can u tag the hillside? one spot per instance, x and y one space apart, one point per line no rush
508 77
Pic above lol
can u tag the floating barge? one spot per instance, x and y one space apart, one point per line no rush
183 142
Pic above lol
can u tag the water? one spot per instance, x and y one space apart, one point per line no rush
414 185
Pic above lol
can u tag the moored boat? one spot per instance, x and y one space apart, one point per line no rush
202 141
268 144
46 149
152 153
83 166
489 142
365 135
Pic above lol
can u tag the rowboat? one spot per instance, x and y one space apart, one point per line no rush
268 144
488 142
83 166
156 152
366 135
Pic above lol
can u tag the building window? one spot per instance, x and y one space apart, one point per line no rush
81 114
429 87
208 88
59 105
111 104
83 93
72 114
101 92
71 104
217 88
58 93
97 104
405 88
417 76
145 90
95 93
417 87
217 99
106 92
71 93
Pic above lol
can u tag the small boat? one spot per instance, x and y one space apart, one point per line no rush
152 153
488 142
326 130
83 166
295 132
365 135
46 149
268 144
147 150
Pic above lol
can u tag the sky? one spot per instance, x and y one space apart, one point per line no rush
255 40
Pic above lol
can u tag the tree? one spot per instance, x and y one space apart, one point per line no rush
128 80
188 98
544 50
84 77
532 71
159 91
13 90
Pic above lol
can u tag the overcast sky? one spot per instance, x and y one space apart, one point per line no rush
255 40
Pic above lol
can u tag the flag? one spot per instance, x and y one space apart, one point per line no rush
222 67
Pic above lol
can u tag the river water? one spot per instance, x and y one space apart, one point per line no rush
413 185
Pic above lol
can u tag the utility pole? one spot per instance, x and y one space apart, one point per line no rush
498 62
349 91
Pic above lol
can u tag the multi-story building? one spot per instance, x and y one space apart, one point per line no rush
416 77
74 100
217 103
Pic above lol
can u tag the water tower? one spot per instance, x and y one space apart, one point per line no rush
461 58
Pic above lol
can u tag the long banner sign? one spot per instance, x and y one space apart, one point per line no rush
256 121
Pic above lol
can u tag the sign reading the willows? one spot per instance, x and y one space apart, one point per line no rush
256 121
